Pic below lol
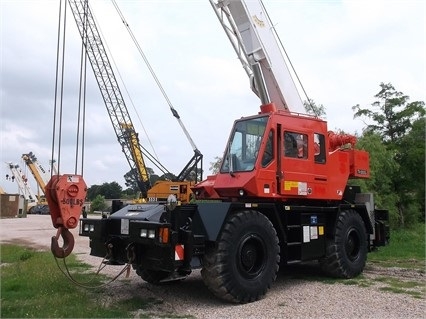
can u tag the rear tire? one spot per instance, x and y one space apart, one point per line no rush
346 253
245 261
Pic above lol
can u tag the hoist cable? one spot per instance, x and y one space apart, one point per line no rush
157 81
82 97
59 69
124 85
62 87
56 88
151 70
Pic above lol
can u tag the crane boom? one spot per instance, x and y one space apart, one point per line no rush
40 174
111 93
21 180
253 37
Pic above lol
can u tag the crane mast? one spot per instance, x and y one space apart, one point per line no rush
111 93
253 37
40 174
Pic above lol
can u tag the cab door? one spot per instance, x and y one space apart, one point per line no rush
297 163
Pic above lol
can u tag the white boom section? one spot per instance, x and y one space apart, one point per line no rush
21 180
253 37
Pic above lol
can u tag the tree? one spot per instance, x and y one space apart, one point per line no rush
130 180
313 109
410 180
93 191
400 125
215 166
393 114
107 190
383 168
111 190
98 204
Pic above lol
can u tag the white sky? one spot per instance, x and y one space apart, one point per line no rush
342 51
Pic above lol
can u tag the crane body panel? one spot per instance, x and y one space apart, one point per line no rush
295 163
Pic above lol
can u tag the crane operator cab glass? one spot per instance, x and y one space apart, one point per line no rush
244 145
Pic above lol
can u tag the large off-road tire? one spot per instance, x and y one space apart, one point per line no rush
245 261
152 276
346 253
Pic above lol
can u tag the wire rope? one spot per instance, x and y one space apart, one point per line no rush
55 107
125 87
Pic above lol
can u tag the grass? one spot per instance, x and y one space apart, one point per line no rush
406 249
33 287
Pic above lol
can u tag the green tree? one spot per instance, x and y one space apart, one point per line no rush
215 166
130 180
111 190
400 126
410 180
392 114
93 191
313 109
382 167
108 190
98 204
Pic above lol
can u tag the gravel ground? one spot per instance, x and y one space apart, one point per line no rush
299 292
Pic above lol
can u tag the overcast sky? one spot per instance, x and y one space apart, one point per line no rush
341 50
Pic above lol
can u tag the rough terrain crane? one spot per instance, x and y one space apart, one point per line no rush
281 197
41 176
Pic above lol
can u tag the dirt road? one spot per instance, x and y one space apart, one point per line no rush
299 292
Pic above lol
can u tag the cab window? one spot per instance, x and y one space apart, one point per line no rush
319 148
295 145
268 154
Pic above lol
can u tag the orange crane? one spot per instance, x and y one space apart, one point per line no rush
282 195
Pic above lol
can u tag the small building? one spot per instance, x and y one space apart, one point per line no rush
12 205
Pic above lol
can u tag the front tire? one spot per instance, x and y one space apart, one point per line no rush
346 253
245 261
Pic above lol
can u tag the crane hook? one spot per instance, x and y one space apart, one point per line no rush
66 249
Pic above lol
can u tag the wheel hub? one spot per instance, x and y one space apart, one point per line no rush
352 245
251 257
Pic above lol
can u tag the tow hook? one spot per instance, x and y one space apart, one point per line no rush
67 247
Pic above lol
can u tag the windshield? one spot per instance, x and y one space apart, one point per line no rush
244 145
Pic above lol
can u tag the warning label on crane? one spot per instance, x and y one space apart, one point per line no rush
179 252
302 187
72 179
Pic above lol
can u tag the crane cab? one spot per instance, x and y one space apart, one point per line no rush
283 156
